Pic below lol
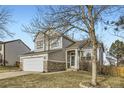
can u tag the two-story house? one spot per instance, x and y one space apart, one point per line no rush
10 51
56 52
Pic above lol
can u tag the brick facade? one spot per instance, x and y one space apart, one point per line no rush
55 66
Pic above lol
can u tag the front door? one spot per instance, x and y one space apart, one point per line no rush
72 60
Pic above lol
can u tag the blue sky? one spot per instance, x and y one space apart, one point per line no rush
23 15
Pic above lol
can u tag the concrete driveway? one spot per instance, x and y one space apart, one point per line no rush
13 74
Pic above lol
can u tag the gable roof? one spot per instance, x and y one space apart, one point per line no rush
61 34
1 42
83 44
79 44
37 35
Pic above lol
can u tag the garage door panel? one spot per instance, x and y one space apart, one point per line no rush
33 64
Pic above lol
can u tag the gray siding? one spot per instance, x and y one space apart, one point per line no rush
57 55
13 50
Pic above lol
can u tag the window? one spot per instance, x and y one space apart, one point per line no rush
55 43
88 56
90 46
39 44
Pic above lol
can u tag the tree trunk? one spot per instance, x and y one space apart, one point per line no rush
94 64
94 57
94 44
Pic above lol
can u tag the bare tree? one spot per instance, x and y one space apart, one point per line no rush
5 19
82 18
117 26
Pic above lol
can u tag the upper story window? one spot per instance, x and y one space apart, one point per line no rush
39 44
55 43
90 46
88 56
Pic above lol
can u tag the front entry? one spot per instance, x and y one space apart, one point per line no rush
72 59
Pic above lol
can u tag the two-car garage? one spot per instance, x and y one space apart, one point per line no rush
33 63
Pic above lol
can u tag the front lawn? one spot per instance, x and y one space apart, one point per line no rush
8 69
61 80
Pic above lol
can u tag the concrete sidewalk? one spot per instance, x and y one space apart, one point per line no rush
13 74
21 73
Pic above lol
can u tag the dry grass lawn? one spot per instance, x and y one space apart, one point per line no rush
61 80
8 69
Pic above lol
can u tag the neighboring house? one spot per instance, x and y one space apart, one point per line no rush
10 51
58 54
109 59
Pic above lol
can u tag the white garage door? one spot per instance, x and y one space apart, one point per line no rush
33 64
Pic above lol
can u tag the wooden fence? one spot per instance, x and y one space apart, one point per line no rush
111 70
